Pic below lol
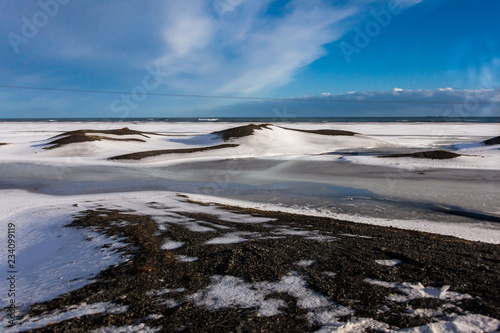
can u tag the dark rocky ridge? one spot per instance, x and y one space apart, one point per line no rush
89 136
323 132
151 153
247 130
240 131
433 155
492 141
119 131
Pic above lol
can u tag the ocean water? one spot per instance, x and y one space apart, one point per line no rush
267 119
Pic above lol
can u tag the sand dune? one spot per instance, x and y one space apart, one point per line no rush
240 131
166 143
247 130
88 135
265 140
246 141
120 131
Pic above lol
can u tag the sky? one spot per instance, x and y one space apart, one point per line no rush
339 58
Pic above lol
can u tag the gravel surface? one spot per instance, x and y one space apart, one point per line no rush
354 269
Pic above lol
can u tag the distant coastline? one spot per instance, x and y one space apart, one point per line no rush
265 119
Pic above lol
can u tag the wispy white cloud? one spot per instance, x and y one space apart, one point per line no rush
209 46
408 3
246 50
228 47
224 6
188 29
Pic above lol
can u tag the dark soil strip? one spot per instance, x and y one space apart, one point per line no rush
323 132
470 214
492 141
240 131
3 143
120 131
433 260
150 153
433 155
83 138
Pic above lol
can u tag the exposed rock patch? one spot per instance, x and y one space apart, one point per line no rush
492 141
87 135
433 155
323 132
151 153
240 131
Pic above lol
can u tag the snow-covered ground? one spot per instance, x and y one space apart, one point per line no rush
53 260
292 158
24 162
26 140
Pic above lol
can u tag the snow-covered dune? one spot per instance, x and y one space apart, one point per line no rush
242 142
266 141
143 144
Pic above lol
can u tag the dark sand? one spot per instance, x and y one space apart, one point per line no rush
83 136
240 131
120 131
150 153
433 155
492 141
433 260
323 132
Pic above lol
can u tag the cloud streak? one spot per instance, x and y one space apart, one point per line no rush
241 48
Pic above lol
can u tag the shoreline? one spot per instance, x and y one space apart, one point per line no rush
289 230
351 269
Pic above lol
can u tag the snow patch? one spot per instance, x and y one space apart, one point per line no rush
69 313
183 258
164 291
330 274
169 244
470 323
52 259
391 262
305 263
230 291
232 238
143 328
415 291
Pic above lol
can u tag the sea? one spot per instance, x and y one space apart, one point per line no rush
265 119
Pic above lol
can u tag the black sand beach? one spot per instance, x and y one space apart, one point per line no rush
339 270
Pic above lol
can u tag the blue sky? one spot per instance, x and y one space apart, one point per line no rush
406 50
